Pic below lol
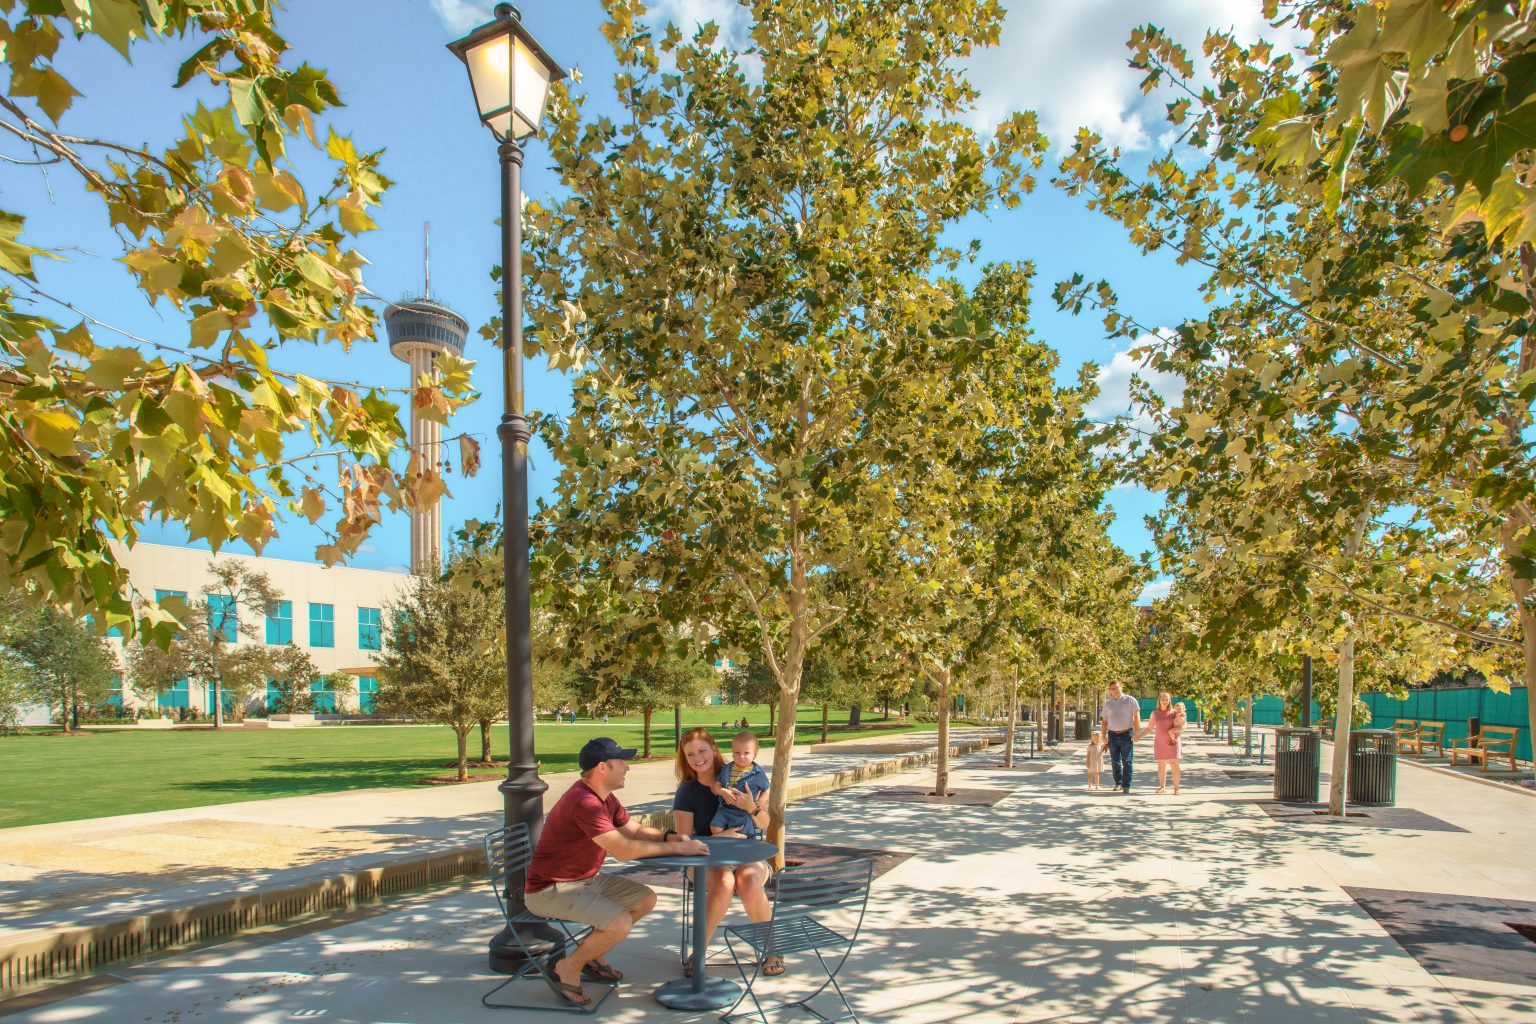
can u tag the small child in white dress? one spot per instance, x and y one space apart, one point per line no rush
1095 759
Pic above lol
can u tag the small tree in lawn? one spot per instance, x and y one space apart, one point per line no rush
290 681
208 648
754 683
680 674
444 657
13 694
54 659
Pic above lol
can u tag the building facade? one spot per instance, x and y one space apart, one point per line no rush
335 613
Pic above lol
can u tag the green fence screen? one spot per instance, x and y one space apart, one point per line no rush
1451 706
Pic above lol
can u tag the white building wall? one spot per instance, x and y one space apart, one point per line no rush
155 567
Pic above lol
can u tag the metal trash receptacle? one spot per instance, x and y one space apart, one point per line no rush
1373 767
1083 726
1297 765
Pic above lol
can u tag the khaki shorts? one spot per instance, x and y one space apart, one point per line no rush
594 901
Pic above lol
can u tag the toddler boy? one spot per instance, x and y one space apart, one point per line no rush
745 775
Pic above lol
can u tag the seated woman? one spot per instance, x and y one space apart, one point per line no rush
699 764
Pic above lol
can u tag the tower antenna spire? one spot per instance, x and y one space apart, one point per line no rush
426 258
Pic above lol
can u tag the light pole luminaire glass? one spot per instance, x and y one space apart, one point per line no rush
510 74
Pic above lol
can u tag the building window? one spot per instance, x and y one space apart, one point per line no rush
280 623
322 625
322 696
223 618
368 629
367 687
176 696
115 695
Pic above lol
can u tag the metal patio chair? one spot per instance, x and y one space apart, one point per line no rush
799 894
507 853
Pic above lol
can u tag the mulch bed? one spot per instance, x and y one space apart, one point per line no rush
925 795
1460 936
795 854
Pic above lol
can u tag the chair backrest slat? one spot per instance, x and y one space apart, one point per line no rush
824 885
507 852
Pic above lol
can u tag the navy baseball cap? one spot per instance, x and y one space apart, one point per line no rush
600 749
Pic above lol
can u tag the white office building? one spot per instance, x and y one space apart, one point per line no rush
334 613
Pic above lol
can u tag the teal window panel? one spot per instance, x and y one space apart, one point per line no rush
322 625
324 698
176 696
280 624
367 691
223 618
369 628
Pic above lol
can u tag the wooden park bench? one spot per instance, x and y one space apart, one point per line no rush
1428 734
1495 741
1406 729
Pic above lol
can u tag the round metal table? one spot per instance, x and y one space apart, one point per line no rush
701 992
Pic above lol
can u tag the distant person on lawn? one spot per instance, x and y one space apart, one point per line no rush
1122 725
584 826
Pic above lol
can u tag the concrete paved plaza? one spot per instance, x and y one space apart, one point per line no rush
1055 904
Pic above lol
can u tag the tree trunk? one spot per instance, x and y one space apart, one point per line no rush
1248 727
1039 739
1013 704
645 744
462 733
772 712
1344 718
790 673
64 712
1522 590
855 715
941 776
887 707
485 740
218 705
826 710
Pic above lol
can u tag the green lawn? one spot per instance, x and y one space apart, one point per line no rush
47 776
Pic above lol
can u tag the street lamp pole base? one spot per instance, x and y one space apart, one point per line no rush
506 956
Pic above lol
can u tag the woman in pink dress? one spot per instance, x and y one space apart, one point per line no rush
1166 724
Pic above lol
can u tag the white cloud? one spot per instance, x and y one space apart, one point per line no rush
1067 62
1155 591
459 16
1114 398
688 15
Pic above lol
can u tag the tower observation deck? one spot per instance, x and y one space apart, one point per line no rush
419 331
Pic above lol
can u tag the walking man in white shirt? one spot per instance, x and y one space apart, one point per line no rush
1121 718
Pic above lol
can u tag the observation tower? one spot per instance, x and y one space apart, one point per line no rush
419 331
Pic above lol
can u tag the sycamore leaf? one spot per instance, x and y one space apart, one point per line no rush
312 504
469 455
53 430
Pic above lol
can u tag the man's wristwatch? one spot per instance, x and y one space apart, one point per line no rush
668 834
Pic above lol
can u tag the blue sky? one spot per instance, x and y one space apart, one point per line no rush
406 94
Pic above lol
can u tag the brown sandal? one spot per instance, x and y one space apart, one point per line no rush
773 966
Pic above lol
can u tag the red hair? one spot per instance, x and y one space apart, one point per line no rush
685 772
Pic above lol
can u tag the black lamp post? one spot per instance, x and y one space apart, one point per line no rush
510 74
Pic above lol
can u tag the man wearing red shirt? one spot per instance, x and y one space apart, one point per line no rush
585 825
